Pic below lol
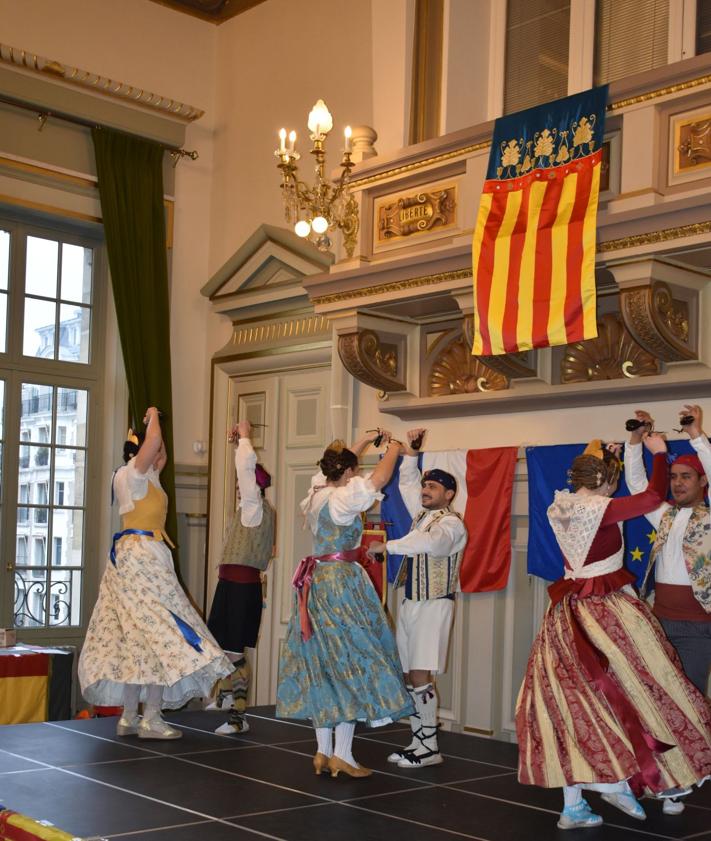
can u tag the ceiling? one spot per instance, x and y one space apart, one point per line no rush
215 11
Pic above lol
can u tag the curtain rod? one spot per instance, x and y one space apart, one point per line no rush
43 114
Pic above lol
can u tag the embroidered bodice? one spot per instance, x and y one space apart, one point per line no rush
330 537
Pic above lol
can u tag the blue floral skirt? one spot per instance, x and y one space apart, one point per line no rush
349 669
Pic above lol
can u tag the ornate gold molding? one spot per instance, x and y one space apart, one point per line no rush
97 84
456 371
434 159
658 322
655 94
613 355
689 84
693 146
652 237
294 328
417 213
369 362
395 286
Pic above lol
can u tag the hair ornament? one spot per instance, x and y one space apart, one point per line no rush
131 437
594 448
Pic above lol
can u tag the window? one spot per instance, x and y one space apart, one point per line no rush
52 376
616 53
537 35
703 26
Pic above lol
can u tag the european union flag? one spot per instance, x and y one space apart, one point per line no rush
547 473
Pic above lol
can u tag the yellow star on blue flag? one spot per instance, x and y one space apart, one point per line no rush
636 554
652 536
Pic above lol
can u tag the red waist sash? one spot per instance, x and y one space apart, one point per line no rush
238 573
303 577
596 664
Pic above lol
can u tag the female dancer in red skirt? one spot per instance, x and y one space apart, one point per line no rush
605 704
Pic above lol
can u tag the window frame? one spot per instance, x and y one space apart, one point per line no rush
16 369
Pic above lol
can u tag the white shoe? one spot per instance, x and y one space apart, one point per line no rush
672 807
229 729
221 702
156 728
397 755
626 803
420 758
128 725
578 816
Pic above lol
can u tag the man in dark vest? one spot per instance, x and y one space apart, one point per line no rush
236 610
430 574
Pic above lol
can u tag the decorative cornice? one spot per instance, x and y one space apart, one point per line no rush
689 84
456 371
98 84
655 94
652 237
434 159
294 328
395 286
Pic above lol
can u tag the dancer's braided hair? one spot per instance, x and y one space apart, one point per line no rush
588 471
337 458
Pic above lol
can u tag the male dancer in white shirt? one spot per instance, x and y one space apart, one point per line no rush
430 573
681 554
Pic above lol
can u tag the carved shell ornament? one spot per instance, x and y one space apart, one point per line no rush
456 371
614 354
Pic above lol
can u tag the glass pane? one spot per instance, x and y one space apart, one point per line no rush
74 325
4 258
41 271
30 589
69 468
3 322
65 597
76 273
36 418
67 537
71 414
39 328
2 405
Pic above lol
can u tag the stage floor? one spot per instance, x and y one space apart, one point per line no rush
204 787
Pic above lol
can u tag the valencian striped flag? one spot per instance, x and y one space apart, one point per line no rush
534 241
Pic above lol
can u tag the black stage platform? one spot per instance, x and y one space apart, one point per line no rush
205 787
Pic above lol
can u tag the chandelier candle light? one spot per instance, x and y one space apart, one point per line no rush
327 204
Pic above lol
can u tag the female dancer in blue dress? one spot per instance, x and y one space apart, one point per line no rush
339 663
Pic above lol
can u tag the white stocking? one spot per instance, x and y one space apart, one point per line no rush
324 740
572 795
344 741
131 694
152 706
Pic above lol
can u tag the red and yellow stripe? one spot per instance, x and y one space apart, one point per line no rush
534 259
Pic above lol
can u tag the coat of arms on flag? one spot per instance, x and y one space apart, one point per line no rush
534 240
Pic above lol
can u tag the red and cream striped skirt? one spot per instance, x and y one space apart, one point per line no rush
604 699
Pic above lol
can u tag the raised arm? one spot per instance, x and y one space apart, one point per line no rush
636 505
250 504
698 438
385 467
152 443
360 444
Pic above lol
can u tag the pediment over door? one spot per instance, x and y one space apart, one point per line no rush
260 288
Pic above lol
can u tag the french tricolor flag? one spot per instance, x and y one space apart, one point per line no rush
484 492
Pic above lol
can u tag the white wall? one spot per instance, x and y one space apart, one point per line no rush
150 46
557 426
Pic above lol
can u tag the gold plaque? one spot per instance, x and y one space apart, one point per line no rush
417 213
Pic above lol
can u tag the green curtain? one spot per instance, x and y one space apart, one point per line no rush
130 173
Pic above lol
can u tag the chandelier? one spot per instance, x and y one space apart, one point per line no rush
327 204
